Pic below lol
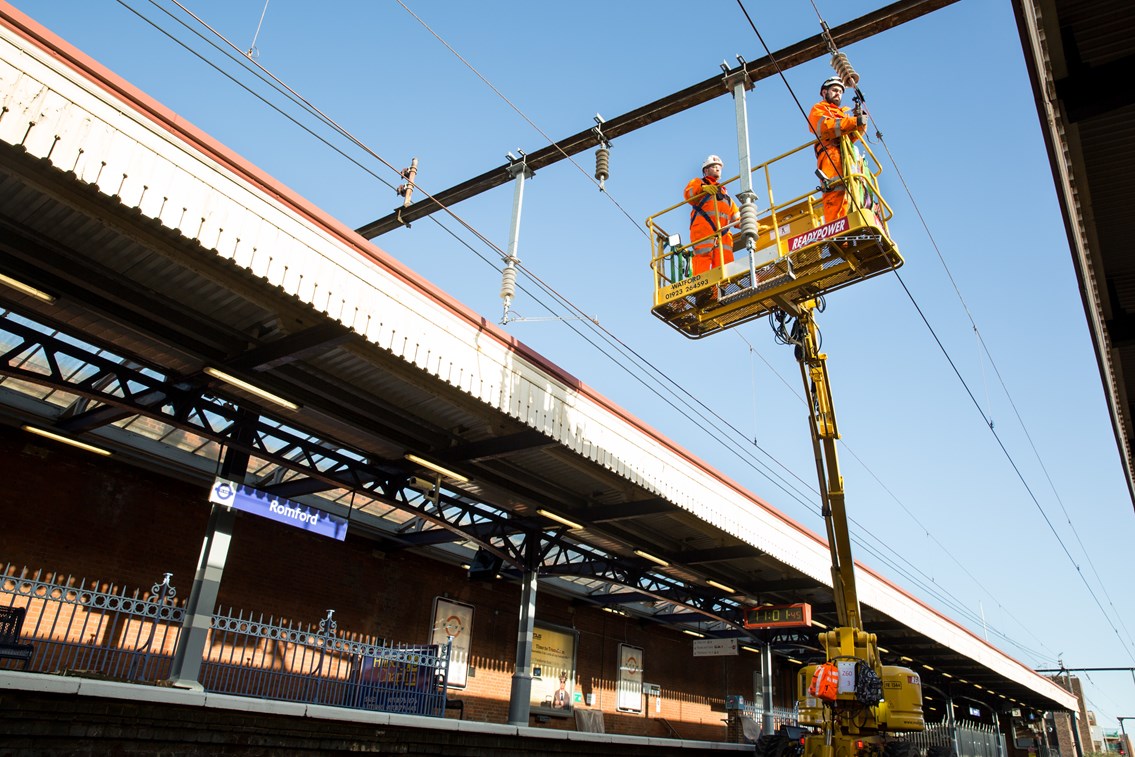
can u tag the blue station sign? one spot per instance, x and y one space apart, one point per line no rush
249 500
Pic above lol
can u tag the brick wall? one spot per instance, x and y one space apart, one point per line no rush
72 512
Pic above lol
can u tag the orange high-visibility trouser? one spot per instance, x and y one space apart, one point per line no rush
831 165
706 254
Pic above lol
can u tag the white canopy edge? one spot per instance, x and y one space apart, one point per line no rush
110 136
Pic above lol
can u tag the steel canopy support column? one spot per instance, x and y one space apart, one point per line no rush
185 671
953 725
767 724
520 699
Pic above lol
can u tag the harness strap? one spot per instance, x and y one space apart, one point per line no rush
721 195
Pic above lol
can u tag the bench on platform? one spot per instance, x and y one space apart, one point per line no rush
11 623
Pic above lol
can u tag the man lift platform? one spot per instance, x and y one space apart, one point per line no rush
795 256
787 257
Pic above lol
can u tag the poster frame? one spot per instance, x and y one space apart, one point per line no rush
540 704
444 609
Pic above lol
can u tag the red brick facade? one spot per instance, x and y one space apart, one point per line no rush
72 512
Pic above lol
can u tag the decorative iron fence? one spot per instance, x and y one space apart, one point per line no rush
89 628
780 715
974 740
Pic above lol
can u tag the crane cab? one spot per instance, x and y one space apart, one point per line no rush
796 256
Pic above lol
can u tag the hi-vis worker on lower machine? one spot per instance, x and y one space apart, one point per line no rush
712 213
829 121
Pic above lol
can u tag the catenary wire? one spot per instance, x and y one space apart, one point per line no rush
519 112
622 346
988 421
336 127
771 475
803 113
884 554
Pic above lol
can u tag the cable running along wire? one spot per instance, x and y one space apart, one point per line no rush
926 322
310 108
679 391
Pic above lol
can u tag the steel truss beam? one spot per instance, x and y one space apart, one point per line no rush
581 561
125 389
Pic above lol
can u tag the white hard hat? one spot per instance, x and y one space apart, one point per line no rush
832 81
711 160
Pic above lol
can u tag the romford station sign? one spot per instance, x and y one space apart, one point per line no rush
249 500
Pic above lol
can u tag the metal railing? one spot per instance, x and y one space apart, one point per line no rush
93 629
973 740
780 715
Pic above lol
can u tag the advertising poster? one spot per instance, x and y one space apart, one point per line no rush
403 682
454 620
628 693
553 669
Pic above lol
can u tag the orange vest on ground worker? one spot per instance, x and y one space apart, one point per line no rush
712 212
829 122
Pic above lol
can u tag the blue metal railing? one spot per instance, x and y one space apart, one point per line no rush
88 628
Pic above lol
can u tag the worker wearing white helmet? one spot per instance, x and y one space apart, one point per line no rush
712 213
829 122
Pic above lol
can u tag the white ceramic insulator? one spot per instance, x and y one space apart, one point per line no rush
843 67
602 165
749 228
508 282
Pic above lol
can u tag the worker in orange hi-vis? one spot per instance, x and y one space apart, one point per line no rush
712 214
829 121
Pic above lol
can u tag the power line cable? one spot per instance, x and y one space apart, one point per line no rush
774 478
240 59
519 112
800 107
335 126
977 405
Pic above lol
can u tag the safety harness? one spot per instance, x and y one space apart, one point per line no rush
721 195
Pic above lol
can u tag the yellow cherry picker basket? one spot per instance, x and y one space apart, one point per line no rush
793 257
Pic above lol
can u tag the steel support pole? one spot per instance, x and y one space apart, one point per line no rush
185 670
953 726
767 724
1000 736
520 173
520 698
1076 735
740 83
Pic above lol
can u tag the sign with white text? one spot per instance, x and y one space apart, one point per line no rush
715 647
248 500
553 669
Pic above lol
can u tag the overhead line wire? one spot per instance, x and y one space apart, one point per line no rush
241 58
519 112
977 405
312 109
624 348
800 107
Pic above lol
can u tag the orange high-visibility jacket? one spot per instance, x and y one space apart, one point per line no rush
830 121
711 212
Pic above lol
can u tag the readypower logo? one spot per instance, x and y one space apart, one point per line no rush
837 226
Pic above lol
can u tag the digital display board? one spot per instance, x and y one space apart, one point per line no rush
779 616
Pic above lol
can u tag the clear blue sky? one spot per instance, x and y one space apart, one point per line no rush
939 507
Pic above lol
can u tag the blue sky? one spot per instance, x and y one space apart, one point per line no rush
939 508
